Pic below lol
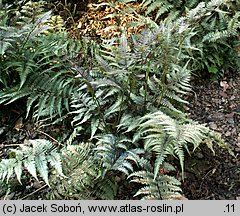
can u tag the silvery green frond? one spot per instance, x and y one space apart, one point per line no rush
33 157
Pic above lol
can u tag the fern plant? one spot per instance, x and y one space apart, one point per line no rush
84 179
34 157
114 154
135 91
124 107
217 36
162 7
161 186
17 44
30 11
38 81
44 66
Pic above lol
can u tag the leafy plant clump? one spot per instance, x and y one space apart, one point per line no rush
123 98
217 33
33 156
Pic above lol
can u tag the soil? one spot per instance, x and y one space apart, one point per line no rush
207 176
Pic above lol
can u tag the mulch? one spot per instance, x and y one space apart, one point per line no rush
216 104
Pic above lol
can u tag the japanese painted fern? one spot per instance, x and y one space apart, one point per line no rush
125 107
33 157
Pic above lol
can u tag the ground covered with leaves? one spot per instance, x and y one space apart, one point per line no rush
208 176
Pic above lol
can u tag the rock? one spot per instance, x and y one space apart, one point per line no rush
2 130
212 125
230 120
37 184
228 133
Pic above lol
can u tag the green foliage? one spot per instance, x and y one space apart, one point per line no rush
216 39
40 67
217 26
14 45
42 78
34 157
123 99
30 11
84 179
135 91
114 154
164 136
161 187
162 7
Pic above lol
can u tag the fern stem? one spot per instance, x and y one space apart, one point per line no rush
164 74
122 97
107 128
146 85
120 110
28 195
50 137
159 192
77 30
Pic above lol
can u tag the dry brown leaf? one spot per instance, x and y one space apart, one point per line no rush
224 85
229 115
19 124
223 94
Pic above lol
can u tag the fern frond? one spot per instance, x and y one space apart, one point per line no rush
161 7
84 176
114 154
30 11
163 187
85 110
158 126
43 77
34 158
128 123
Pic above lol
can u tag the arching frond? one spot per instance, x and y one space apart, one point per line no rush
33 157
163 133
